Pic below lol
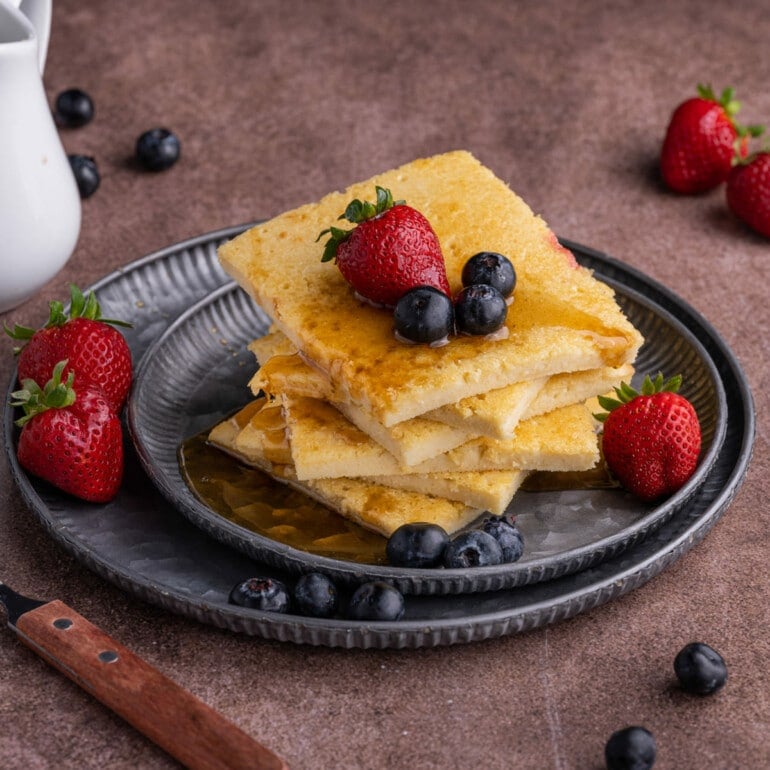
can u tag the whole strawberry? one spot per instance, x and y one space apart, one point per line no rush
701 141
71 439
748 191
96 352
651 440
391 250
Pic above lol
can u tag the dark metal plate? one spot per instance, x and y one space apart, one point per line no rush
142 544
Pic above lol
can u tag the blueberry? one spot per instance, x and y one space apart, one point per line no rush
632 748
376 600
157 149
315 595
74 108
507 535
700 669
480 309
86 174
424 314
261 593
473 548
416 545
490 268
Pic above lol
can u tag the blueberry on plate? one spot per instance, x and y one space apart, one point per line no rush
490 268
315 595
507 535
261 593
86 174
632 748
376 600
480 309
424 314
416 545
700 669
157 149
74 108
473 548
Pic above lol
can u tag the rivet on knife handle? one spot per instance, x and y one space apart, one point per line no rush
169 715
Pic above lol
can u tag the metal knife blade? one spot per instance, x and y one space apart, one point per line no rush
15 604
169 715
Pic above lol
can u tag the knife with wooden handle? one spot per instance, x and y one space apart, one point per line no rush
167 714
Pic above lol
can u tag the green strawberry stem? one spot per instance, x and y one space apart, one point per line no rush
55 395
731 106
338 236
727 101
626 393
749 131
357 211
744 133
752 156
81 306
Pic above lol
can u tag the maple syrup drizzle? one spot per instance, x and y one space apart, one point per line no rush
252 499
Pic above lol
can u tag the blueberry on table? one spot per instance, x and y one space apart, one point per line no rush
632 748
507 535
74 108
424 314
490 268
416 545
315 595
376 600
261 593
473 548
86 174
700 669
157 149
480 309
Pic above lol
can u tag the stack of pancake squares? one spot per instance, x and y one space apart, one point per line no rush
384 432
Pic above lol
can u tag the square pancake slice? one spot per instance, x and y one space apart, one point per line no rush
257 436
497 413
487 490
410 442
494 414
324 444
379 508
562 319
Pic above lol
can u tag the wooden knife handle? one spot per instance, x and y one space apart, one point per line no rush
169 715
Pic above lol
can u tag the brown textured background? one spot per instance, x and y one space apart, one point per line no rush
276 103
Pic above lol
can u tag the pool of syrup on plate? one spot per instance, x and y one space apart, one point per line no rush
252 499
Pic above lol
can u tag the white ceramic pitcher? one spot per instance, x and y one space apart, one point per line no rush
39 199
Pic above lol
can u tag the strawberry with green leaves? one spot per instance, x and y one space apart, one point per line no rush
701 141
70 438
392 249
96 352
748 191
651 439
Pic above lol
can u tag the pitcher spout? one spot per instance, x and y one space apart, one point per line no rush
26 23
